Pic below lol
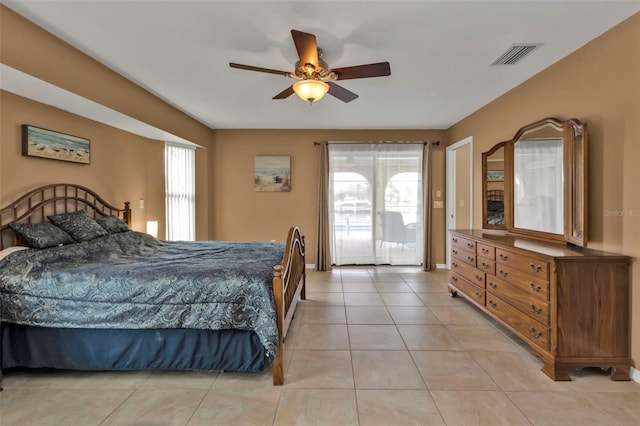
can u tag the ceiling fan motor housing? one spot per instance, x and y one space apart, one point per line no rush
314 72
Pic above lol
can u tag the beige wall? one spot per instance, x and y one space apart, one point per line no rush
30 49
240 213
599 84
123 166
463 206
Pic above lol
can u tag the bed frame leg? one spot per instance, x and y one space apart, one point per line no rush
278 368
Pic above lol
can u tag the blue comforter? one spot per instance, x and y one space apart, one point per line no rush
131 280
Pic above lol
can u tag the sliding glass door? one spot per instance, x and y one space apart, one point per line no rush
375 203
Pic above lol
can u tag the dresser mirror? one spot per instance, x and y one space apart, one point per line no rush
542 174
538 180
493 187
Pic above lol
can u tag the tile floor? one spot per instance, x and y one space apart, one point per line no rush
369 346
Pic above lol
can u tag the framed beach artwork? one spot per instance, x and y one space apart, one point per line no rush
272 173
38 142
495 175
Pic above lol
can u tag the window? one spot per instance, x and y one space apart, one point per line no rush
180 191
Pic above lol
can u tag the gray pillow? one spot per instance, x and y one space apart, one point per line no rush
112 224
79 225
41 235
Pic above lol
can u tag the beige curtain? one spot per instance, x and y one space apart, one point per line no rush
427 202
323 251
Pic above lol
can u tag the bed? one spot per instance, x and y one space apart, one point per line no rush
495 207
123 300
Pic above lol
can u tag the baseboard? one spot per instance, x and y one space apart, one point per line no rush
634 374
310 266
441 266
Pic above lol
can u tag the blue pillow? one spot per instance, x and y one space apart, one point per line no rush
495 206
79 225
41 235
112 224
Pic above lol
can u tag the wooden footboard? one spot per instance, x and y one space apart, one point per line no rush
289 281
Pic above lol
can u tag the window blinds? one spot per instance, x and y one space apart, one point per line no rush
180 192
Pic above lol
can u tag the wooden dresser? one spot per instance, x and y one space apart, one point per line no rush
570 304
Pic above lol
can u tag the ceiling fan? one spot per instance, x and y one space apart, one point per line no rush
314 76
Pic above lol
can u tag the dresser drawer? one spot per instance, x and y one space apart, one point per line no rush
464 255
520 299
467 271
485 264
534 267
485 250
532 331
535 287
463 243
471 290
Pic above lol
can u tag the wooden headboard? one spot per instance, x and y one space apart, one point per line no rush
495 195
37 204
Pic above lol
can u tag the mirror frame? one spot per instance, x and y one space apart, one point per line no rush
485 168
575 175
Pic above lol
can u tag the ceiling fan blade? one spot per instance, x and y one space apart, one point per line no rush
306 46
380 69
259 69
340 92
285 93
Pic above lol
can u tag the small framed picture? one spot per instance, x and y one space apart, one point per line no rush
272 173
495 175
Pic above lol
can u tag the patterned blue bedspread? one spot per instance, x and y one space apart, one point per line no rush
133 281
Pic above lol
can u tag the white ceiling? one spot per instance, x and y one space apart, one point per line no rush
440 53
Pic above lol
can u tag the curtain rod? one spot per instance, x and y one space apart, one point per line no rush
378 143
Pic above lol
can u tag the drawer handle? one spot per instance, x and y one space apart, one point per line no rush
479 295
535 310
485 265
493 304
454 264
535 333
454 251
455 240
470 258
535 268
470 245
503 273
485 251
535 287
493 285
480 278
454 279
503 256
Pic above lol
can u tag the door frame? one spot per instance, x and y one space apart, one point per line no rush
451 189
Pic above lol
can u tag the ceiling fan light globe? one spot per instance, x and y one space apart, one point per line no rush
311 90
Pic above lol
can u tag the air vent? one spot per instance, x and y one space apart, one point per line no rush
515 54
